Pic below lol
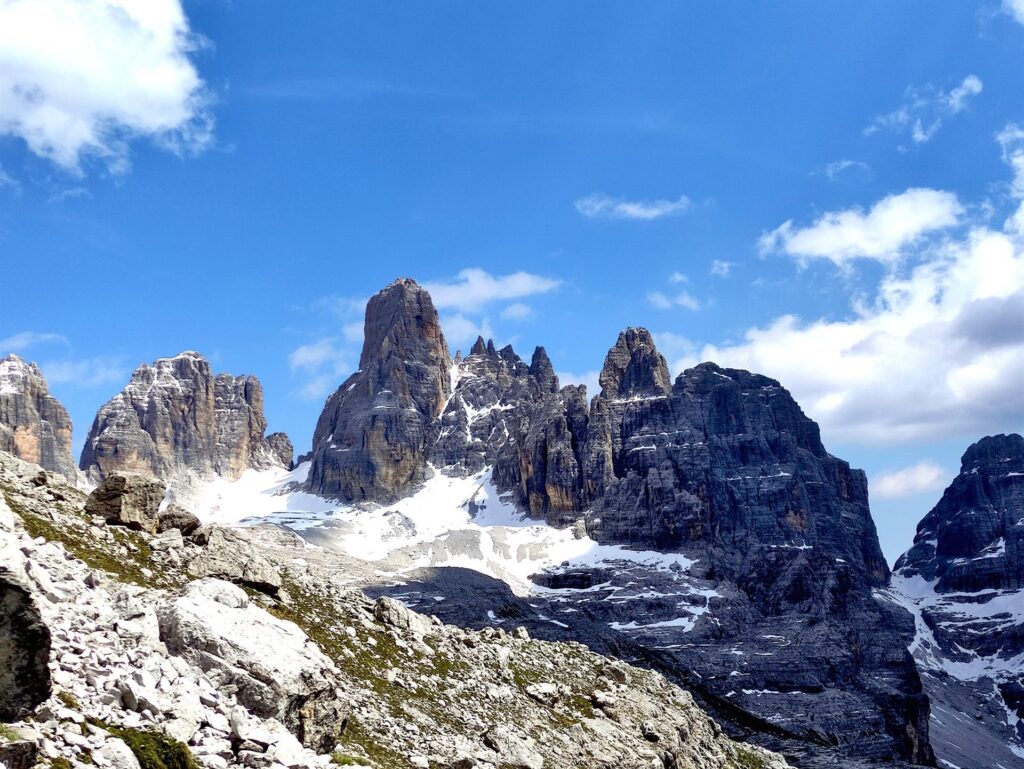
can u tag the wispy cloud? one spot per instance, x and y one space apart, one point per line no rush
881 233
838 168
86 372
1014 8
473 289
517 311
679 299
23 340
923 110
721 268
908 481
83 78
460 331
322 364
599 206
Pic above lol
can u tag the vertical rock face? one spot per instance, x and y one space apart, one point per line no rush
175 418
34 426
964 580
281 446
373 437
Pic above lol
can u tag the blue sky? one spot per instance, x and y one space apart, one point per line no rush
236 178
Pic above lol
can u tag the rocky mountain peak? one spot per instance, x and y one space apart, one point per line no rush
991 450
370 442
542 370
176 420
634 367
404 350
479 347
34 426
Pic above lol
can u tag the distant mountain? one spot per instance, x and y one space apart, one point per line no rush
964 581
34 426
176 421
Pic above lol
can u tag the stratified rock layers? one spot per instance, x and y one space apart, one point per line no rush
34 426
176 418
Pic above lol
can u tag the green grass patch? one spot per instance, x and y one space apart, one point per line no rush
69 700
748 759
345 759
61 763
7 734
152 749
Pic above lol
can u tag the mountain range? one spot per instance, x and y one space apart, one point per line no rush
695 528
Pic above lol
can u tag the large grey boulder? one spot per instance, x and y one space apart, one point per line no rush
126 499
24 636
231 555
277 670
371 440
176 418
34 426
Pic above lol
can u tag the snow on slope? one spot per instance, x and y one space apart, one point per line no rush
450 521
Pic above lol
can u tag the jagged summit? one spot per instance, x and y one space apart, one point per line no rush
175 419
34 425
634 367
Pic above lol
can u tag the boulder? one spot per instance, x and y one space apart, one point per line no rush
229 554
174 516
277 670
126 499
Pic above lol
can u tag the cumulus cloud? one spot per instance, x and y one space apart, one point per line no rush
460 331
26 339
915 479
923 110
882 233
84 78
473 289
938 352
598 206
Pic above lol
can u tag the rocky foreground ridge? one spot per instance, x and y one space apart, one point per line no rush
175 420
251 648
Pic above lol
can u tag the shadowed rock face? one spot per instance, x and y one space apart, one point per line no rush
176 418
372 439
964 579
34 426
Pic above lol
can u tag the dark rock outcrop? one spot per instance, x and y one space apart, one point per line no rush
281 446
964 580
24 651
373 437
175 418
34 426
126 499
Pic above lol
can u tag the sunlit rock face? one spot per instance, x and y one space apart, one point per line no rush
34 426
176 419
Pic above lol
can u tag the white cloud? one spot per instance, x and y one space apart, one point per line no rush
680 299
26 339
891 225
83 78
588 378
88 372
678 277
517 311
915 479
924 109
938 353
836 168
473 289
673 345
460 331
1015 8
599 206
721 268
323 363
